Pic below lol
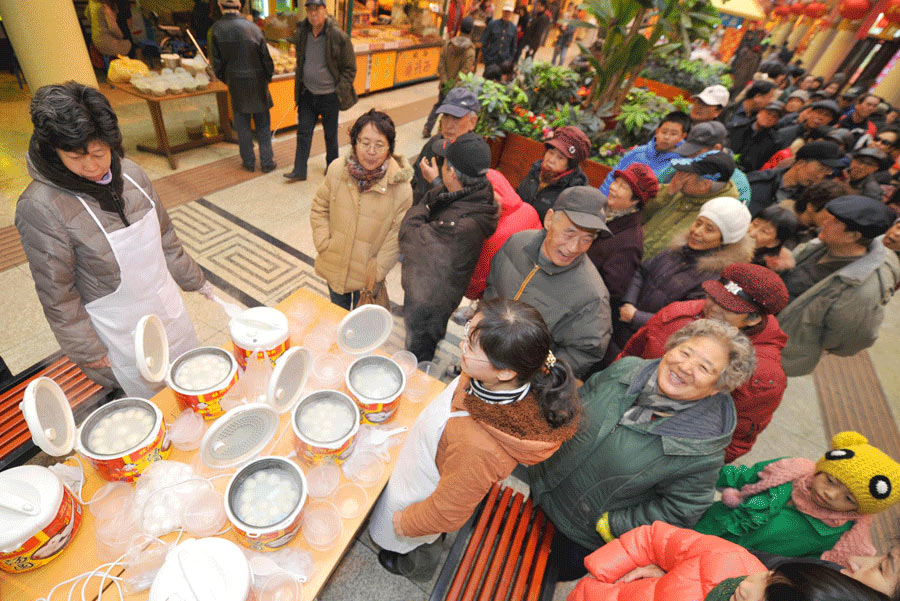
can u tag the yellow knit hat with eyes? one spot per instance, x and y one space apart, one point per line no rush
870 474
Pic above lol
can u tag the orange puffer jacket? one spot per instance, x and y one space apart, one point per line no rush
694 564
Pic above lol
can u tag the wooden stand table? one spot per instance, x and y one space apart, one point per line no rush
154 103
81 554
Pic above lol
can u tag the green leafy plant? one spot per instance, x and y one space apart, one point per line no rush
546 85
497 102
640 115
689 75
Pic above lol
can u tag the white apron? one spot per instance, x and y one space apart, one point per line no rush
146 287
415 476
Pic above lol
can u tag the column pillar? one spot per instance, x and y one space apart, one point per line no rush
782 30
818 45
797 33
889 87
48 42
837 50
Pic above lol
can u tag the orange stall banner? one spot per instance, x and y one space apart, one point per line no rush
730 40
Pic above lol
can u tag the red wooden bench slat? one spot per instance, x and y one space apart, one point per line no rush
525 568
506 578
500 555
541 564
472 548
484 556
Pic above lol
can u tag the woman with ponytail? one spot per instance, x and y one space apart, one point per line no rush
513 403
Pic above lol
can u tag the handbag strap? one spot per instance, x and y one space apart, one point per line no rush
371 270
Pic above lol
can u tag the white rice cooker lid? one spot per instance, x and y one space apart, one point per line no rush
29 499
259 328
49 417
151 348
204 569
364 329
239 435
288 379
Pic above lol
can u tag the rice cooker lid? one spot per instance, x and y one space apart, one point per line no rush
288 379
364 329
49 417
239 435
29 500
259 328
204 569
151 348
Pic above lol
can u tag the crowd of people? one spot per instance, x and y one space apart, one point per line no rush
626 341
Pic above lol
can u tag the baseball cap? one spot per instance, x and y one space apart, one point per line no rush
874 156
862 214
585 206
714 165
459 102
716 95
775 106
852 92
315 3
508 7
469 154
702 136
801 94
823 151
748 288
827 105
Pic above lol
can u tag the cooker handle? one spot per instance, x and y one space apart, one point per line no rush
18 504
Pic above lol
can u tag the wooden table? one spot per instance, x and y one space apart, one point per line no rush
163 147
81 555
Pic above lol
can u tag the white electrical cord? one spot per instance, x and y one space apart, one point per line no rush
89 575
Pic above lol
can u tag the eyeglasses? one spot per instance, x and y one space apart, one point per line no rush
885 142
467 350
376 146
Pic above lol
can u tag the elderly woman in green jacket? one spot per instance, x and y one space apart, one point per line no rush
651 446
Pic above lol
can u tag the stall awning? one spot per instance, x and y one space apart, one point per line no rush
746 9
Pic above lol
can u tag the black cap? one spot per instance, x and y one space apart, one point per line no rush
469 154
703 135
585 206
827 105
823 151
774 106
874 156
459 102
852 92
840 135
314 3
714 165
862 214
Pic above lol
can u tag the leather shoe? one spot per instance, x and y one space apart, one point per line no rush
268 168
294 177
389 560
249 168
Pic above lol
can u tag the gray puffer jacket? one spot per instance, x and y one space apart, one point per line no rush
72 263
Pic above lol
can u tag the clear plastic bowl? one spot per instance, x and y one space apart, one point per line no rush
320 337
111 500
205 515
407 362
351 500
327 372
187 430
322 480
115 535
322 527
280 586
364 467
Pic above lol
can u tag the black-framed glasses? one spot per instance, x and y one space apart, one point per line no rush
467 350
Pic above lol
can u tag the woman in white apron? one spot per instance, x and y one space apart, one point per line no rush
101 248
514 403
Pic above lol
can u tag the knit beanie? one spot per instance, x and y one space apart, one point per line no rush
730 216
870 474
725 590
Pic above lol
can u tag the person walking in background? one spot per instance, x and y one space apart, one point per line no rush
498 43
564 40
240 57
457 58
323 86
538 26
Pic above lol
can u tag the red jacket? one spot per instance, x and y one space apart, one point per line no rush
694 563
756 400
515 216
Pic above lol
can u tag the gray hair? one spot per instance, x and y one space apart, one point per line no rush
741 356
467 181
69 116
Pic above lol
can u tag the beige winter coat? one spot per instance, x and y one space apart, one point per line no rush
349 228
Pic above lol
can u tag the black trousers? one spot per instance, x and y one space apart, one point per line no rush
309 109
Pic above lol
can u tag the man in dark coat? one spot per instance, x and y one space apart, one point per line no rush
498 43
240 57
538 26
857 119
755 142
323 83
864 163
441 238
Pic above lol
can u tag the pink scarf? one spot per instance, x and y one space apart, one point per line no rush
800 472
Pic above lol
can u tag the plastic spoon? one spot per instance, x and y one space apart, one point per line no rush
378 437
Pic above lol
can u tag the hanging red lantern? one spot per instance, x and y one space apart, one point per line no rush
798 8
854 9
892 12
815 10
782 10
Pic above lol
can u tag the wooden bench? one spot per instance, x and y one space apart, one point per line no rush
83 394
513 155
501 553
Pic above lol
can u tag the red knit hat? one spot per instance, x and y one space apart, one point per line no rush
748 288
641 179
572 142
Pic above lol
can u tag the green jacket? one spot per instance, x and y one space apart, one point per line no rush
339 56
664 470
840 314
765 521
668 216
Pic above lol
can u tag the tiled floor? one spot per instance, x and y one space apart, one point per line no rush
254 240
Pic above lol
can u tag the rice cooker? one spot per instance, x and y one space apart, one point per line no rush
257 333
